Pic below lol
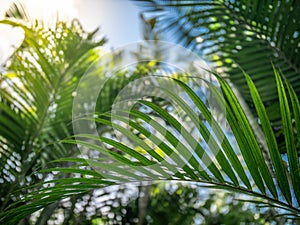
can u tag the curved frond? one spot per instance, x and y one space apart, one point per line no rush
169 151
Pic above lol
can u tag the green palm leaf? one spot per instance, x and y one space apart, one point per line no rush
36 99
37 91
173 158
237 34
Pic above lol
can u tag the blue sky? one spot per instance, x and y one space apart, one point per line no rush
118 20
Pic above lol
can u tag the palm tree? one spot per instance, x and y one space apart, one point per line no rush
178 155
38 86
37 89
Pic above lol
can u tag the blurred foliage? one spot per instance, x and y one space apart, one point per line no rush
179 204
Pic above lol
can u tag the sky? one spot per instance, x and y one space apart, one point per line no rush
117 19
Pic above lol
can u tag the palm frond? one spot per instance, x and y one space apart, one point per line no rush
170 152
237 34
36 99
37 92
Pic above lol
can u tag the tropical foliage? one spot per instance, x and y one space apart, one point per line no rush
259 157
38 85
36 100
244 34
